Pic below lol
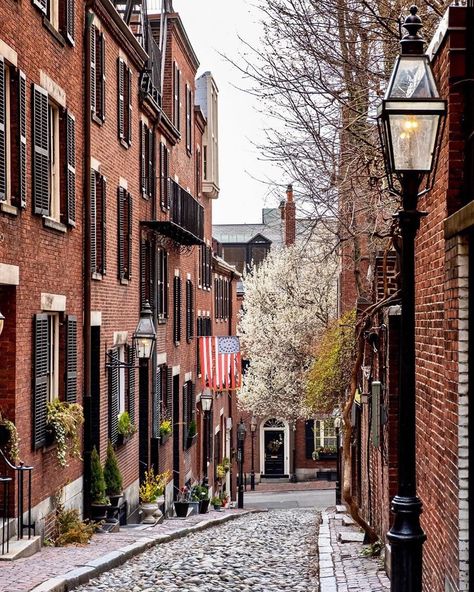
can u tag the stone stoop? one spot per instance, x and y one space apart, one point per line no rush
22 548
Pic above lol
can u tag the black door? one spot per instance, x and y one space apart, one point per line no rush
176 436
274 452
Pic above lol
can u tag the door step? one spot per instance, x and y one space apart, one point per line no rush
274 478
22 548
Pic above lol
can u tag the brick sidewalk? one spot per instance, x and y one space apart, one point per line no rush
52 568
342 568
299 486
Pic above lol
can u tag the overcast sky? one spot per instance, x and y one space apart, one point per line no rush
213 27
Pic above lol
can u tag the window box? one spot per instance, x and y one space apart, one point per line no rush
165 438
327 456
190 440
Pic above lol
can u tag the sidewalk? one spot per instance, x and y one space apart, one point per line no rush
342 568
57 569
299 486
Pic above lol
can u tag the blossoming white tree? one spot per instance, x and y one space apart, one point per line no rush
289 300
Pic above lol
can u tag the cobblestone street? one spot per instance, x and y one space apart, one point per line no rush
270 551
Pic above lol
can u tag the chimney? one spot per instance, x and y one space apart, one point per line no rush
289 218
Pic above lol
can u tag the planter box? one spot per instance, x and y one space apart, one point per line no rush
190 441
327 456
194 507
164 439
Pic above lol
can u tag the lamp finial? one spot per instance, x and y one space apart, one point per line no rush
412 43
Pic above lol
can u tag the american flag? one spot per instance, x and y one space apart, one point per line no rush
220 362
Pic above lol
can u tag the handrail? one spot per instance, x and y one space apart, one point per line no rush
20 469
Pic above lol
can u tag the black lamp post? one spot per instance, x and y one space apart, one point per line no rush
206 404
409 122
240 457
253 428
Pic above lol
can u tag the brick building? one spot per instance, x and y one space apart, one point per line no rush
443 355
98 216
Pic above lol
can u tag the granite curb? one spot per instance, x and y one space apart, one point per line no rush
91 569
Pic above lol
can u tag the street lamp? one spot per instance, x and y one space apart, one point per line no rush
206 404
145 334
409 123
337 427
2 321
240 457
253 429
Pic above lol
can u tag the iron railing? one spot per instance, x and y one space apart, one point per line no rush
21 472
185 211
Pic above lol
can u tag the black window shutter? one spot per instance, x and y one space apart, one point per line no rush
185 416
71 169
103 227
3 143
113 396
93 67
188 310
42 5
22 138
156 402
121 232
165 284
144 295
131 382
143 167
121 99
169 391
177 308
101 72
71 359
129 105
309 437
40 151
167 178
40 379
128 254
162 176
70 24
151 164
93 222
193 400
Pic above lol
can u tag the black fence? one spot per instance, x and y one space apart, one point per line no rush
185 211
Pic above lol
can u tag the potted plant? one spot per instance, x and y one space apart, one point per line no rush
201 495
9 440
113 481
166 429
64 420
220 472
192 432
226 464
99 500
224 499
216 502
125 427
151 488
181 505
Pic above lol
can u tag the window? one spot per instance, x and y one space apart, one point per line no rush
164 177
124 247
49 358
60 15
97 74
121 386
221 298
189 414
177 309
98 223
320 434
147 161
124 103
162 284
205 270
205 161
161 409
189 310
189 118
12 136
54 195
203 329
176 96
198 173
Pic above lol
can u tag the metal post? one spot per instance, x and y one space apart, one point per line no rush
252 472
406 535
205 452
338 466
293 456
240 458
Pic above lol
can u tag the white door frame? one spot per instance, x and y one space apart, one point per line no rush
286 442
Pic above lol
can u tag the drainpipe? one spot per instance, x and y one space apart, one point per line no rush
87 256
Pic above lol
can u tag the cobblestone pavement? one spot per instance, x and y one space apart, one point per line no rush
261 552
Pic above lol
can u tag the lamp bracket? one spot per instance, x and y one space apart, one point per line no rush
111 361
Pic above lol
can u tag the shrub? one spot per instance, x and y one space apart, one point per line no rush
97 480
65 419
153 485
125 426
112 475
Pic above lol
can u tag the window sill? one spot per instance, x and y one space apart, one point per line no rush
96 119
125 144
8 209
96 276
124 282
54 32
54 225
161 321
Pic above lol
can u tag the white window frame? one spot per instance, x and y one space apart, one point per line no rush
8 138
325 436
53 356
53 13
54 162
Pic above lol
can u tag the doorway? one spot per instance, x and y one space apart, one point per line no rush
274 448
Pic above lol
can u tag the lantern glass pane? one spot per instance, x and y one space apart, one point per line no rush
413 139
412 79
144 346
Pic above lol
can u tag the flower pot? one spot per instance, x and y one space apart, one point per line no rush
99 512
194 507
151 512
181 509
217 507
204 506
